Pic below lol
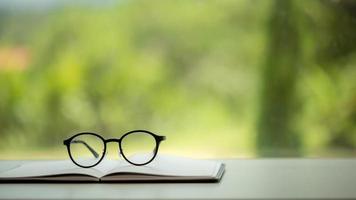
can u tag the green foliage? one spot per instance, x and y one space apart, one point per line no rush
190 70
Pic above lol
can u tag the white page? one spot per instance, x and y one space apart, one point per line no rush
162 165
172 166
59 167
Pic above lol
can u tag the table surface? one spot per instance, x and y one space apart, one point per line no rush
243 179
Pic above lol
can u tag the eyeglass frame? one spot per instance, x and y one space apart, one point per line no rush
67 143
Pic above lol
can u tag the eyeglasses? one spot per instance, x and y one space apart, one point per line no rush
138 147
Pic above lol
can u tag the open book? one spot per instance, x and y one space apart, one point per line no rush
163 169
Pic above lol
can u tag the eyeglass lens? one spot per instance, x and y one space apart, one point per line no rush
138 147
86 149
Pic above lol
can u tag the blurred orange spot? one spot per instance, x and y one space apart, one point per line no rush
15 58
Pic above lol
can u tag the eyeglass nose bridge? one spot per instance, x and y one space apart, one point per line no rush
113 140
119 143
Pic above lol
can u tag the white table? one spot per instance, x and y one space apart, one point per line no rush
243 179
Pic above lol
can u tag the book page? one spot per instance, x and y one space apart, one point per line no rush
56 168
164 165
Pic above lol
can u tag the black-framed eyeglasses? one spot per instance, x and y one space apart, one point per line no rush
138 147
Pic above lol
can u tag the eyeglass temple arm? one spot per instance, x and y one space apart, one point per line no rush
161 138
96 155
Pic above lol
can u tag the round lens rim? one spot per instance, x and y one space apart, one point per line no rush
140 131
68 142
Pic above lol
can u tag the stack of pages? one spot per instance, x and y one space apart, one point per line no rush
162 169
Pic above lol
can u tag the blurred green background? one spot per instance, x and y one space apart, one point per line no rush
219 78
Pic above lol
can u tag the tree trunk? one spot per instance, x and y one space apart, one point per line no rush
276 133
